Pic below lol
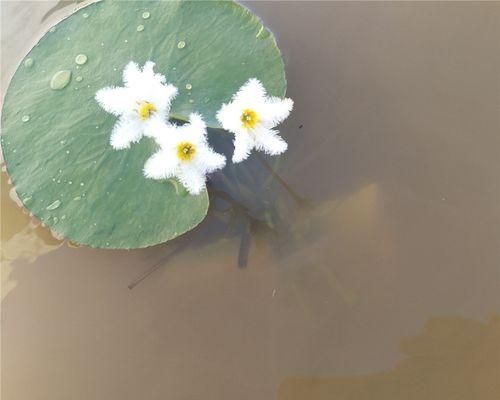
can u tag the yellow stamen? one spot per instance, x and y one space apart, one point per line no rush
185 151
145 110
249 118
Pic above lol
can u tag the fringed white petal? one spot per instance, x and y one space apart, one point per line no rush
252 91
161 165
115 100
156 127
243 145
191 178
229 117
194 131
131 74
275 111
162 96
167 136
208 160
270 142
125 132
146 85
149 75
151 87
197 123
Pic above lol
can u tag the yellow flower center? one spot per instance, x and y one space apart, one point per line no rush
185 151
145 110
249 118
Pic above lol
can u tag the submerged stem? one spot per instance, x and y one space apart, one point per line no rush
299 199
157 266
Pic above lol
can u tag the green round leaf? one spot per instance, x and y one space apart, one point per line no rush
55 137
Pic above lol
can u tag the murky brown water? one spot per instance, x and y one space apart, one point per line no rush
385 284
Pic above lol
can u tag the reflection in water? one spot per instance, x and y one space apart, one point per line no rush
246 201
22 238
60 5
355 220
453 358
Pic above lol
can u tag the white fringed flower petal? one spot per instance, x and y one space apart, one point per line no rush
115 100
275 111
131 74
208 160
252 91
269 141
159 166
251 116
125 132
191 178
185 154
140 104
243 145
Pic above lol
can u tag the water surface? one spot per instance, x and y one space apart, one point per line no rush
382 280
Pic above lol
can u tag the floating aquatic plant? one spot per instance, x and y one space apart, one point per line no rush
56 138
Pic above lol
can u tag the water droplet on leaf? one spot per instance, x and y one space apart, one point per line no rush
28 63
146 14
79 78
181 44
140 28
25 118
60 80
81 59
54 205
189 86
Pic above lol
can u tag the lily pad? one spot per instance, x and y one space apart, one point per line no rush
55 137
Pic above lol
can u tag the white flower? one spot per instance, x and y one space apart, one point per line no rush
251 116
184 153
140 105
